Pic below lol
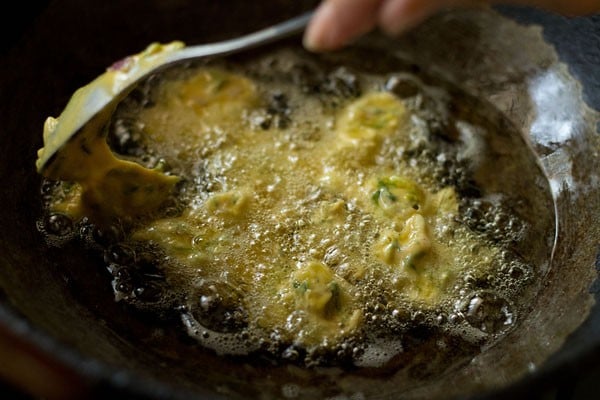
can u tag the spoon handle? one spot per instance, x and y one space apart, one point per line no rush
259 38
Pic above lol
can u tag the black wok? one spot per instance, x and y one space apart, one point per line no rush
58 305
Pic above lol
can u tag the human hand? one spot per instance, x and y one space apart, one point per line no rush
338 22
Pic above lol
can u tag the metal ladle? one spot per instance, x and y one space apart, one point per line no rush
91 106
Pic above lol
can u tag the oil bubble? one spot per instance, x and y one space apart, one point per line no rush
119 254
403 85
378 352
291 354
58 224
149 292
107 235
218 306
488 312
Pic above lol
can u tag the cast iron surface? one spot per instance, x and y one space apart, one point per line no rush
40 288
576 367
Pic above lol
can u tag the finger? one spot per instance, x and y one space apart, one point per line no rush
398 16
338 22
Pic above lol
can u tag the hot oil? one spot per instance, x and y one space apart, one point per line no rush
455 140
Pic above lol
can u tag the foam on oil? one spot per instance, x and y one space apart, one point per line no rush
271 206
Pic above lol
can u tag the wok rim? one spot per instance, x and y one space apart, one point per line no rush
104 376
